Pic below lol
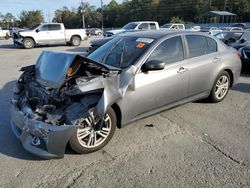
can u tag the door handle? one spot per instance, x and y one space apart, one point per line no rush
217 60
182 70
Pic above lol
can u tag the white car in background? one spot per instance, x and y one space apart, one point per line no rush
140 25
173 26
4 33
49 34
195 28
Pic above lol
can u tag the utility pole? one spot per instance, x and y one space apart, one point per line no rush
225 5
49 16
83 18
102 15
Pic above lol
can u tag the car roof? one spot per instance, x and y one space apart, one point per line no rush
144 22
157 34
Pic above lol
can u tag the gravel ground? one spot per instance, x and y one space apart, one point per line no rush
195 145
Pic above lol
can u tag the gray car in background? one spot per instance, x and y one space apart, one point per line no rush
67 98
97 43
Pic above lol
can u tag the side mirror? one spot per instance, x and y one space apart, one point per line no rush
37 30
153 65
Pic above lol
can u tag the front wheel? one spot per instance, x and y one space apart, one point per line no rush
75 41
220 88
28 43
87 138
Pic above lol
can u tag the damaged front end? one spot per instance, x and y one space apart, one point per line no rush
52 98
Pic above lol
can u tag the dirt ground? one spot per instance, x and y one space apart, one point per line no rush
194 145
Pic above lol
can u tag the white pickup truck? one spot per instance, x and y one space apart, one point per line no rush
49 34
4 33
139 25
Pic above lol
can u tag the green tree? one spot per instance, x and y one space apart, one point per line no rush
73 18
163 11
30 18
177 20
9 20
70 18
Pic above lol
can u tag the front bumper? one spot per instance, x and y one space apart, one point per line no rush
18 41
39 138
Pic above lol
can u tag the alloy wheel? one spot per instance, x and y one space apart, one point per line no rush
222 87
88 137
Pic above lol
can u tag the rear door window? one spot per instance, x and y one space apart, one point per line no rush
180 27
143 26
200 45
152 26
169 51
212 45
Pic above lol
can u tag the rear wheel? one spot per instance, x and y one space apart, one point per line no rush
87 138
7 37
221 87
28 43
75 41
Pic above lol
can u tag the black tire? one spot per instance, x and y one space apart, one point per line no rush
7 37
213 96
28 43
79 148
75 41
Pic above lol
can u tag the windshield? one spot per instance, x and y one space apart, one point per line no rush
121 52
130 26
167 26
34 27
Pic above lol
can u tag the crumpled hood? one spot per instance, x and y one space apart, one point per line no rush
51 67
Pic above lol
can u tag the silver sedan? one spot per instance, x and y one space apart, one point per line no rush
81 100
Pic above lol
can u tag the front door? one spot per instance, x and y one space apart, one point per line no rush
156 89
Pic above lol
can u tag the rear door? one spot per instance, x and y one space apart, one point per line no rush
152 26
57 35
203 61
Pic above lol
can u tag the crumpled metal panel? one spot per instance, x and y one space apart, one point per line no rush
51 68
114 88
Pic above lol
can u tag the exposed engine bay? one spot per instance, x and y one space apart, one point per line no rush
66 98
62 102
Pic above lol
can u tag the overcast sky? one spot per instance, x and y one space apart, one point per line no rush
47 6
